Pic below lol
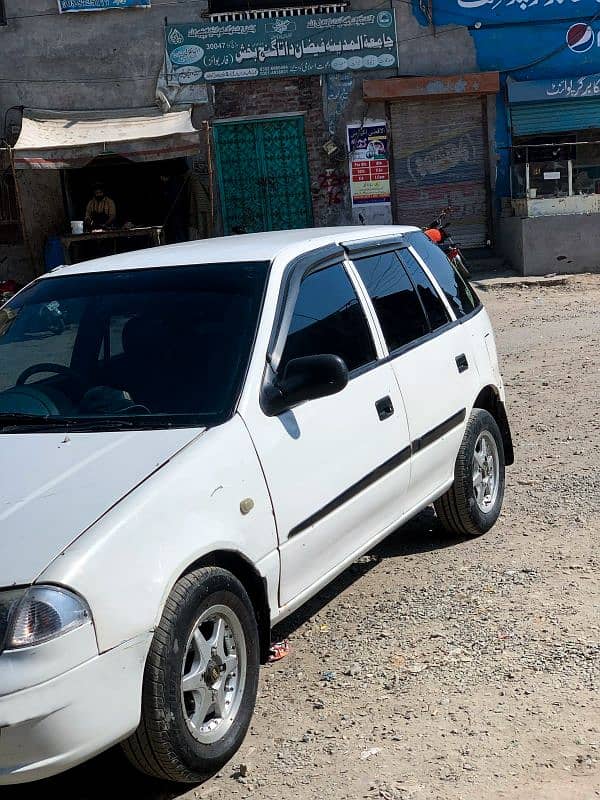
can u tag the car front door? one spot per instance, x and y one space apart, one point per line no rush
337 467
431 359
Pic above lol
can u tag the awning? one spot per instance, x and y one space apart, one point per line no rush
62 140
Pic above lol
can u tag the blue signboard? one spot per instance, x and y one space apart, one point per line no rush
99 5
557 89
468 12
281 47
537 51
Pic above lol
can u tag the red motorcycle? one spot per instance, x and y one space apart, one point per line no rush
7 289
438 233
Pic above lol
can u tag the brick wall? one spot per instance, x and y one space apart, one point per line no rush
285 95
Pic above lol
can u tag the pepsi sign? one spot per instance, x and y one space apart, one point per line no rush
580 37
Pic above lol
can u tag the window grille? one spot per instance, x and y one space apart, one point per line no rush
269 13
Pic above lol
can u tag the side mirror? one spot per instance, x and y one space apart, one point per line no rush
306 378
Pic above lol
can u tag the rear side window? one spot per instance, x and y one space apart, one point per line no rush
461 297
432 303
396 302
328 318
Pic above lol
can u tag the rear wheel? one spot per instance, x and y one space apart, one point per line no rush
459 263
200 680
473 503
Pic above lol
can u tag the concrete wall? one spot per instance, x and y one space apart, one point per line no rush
510 241
86 60
555 206
544 245
43 212
426 50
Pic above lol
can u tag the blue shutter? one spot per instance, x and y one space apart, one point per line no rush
558 116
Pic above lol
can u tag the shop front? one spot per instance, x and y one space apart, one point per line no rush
99 183
553 217
440 150
286 88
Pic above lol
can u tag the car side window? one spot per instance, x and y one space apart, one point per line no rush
398 307
460 295
328 318
432 303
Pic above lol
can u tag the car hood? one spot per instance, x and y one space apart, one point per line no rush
54 486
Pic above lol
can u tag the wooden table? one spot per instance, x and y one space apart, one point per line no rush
113 239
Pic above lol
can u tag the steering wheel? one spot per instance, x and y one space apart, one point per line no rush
59 369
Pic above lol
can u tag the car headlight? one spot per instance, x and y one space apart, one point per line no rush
35 615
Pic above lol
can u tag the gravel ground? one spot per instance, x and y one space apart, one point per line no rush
437 669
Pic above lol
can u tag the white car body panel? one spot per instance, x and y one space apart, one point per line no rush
55 485
29 666
434 392
118 517
126 565
61 722
328 446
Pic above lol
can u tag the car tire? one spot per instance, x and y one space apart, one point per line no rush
473 503
207 640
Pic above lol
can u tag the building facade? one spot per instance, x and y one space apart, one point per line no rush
490 107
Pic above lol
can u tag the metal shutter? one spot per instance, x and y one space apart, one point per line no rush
555 117
440 156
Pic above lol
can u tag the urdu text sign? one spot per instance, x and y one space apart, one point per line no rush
281 47
100 5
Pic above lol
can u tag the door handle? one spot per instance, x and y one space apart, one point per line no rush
462 363
385 407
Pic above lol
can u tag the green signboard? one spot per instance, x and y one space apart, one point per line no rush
281 46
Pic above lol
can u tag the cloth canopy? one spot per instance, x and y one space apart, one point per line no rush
62 140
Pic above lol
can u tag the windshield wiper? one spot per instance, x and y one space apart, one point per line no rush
99 424
15 419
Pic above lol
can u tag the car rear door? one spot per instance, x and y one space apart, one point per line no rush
337 467
431 360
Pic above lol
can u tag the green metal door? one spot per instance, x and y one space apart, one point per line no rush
262 173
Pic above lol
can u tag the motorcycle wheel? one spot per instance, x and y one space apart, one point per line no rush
460 266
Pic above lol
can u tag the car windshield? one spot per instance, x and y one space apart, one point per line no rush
156 347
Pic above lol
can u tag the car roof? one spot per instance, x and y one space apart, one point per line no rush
242 247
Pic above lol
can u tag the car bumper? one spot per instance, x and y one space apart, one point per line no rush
55 725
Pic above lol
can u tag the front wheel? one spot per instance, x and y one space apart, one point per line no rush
473 503
200 681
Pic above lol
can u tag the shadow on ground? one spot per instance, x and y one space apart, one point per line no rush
110 774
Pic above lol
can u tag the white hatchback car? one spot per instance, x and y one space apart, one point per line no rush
193 441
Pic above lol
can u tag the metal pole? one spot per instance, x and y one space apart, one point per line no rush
24 232
570 169
210 177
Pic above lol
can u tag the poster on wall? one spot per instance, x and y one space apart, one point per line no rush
279 47
65 6
369 163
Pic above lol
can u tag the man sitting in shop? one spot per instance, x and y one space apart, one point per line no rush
101 211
